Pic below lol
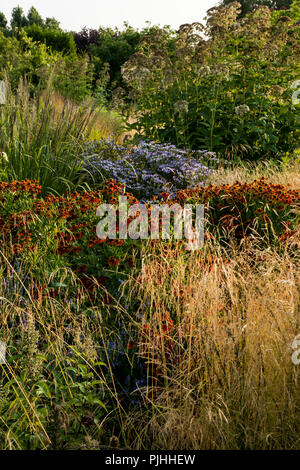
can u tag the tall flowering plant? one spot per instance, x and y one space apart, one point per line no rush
228 90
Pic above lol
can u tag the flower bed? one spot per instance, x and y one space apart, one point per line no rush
62 271
63 228
260 208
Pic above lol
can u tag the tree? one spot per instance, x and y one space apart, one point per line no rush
110 46
3 20
249 5
18 19
34 17
56 39
281 4
52 23
85 38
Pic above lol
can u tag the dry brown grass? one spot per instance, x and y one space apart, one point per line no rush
230 383
288 175
106 123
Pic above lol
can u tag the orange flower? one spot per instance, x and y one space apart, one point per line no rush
116 242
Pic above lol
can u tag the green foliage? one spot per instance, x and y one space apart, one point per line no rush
231 94
52 23
115 47
41 142
73 77
248 6
56 39
3 21
292 15
108 46
43 384
34 18
109 49
21 56
18 19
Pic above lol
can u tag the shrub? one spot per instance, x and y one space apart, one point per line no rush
57 40
21 56
85 38
291 14
108 46
72 76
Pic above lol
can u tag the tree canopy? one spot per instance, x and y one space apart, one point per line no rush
3 20
249 5
18 19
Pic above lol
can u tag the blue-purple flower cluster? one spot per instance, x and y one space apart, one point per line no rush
149 168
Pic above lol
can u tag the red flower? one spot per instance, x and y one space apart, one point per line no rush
113 261
81 269
97 241
76 250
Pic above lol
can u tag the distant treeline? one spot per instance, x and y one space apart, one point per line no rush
82 63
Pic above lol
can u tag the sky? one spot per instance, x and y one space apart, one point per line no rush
75 14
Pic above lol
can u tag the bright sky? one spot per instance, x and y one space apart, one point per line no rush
75 14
